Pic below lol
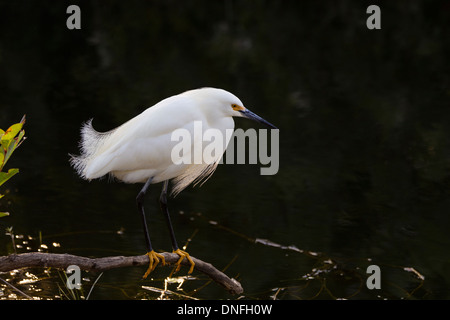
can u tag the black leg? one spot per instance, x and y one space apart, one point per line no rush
154 258
181 253
165 210
140 205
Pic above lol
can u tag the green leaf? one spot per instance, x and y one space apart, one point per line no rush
19 138
12 145
5 176
9 141
4 143
12 131
4 214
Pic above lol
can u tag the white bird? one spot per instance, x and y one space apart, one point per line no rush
140 150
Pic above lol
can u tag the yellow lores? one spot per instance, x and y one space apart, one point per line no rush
237 107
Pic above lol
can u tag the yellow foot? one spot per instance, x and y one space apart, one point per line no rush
183 254
154 260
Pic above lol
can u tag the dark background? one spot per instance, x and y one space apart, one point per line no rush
364 140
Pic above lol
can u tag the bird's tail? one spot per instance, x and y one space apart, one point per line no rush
90 141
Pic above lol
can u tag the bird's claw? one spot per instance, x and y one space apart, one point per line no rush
184 254
154 259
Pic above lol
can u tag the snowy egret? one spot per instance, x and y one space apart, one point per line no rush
139 151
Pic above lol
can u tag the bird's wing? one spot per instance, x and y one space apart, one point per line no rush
144 142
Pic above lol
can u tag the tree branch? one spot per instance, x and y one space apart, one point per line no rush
38 259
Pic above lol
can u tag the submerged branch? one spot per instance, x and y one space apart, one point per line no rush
38 259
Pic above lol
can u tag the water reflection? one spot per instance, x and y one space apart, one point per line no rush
327 278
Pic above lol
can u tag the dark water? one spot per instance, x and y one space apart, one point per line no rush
364 142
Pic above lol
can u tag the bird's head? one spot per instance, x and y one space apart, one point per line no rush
230 105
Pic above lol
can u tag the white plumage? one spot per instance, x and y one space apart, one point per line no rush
141 147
